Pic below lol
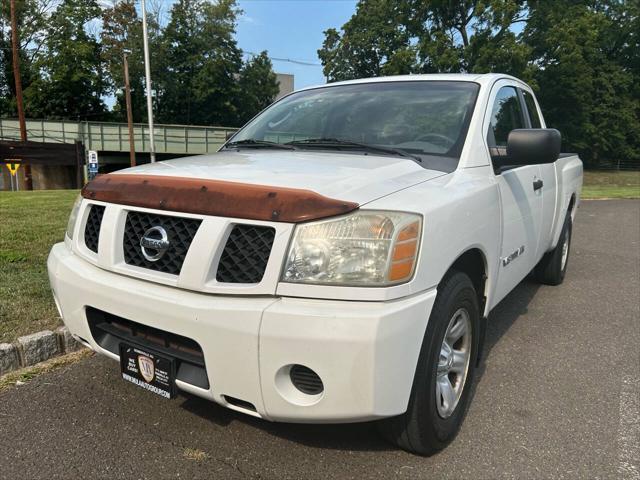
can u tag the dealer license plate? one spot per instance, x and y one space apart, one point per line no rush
148 370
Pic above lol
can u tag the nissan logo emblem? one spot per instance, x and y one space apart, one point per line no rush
154 243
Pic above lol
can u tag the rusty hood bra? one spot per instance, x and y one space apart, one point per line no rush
215 197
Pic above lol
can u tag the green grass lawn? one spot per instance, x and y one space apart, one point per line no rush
611 185
30 223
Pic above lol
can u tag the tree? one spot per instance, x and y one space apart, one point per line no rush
581 56
71 79
390 37
258 87
122 31
375 41
587 89
468 36
5 73
32 17
198 84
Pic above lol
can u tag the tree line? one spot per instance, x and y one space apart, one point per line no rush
71 57
581 57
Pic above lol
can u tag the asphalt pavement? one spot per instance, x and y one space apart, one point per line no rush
557 396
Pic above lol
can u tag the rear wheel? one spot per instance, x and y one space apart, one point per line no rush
444 374
553 266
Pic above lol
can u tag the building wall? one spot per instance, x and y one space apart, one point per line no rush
286 84
53 177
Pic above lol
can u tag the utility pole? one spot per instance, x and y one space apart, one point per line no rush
147 74
127 94
18 82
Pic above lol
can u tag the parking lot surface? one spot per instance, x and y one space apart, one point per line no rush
557 396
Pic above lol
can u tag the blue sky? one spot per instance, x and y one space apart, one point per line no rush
291 29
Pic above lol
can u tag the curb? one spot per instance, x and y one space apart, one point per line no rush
35 348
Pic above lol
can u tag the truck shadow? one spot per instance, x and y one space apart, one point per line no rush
354 436
363 436
514 306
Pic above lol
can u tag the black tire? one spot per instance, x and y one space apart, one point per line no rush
550 270
421 429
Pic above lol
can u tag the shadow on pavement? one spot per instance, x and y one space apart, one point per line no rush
512 307
355 436
363 436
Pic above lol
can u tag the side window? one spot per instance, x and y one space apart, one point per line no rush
505 116
533 111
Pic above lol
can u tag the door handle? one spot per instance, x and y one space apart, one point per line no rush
537 184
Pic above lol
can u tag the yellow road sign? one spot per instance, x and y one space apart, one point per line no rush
13 168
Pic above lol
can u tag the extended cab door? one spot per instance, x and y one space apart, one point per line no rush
548 177
520 193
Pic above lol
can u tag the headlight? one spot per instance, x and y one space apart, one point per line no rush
366 248
71 224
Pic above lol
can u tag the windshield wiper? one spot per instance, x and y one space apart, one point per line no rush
253 143
337 143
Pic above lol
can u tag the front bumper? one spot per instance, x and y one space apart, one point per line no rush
364 352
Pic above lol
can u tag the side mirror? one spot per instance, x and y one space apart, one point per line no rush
531 146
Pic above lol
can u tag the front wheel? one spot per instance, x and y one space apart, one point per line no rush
444 375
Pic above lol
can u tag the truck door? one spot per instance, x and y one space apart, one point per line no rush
548 177
520 193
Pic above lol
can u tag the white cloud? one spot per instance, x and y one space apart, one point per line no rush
249 20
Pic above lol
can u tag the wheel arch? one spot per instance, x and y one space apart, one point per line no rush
571 210
473 262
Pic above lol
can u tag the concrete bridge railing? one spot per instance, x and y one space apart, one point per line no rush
114 137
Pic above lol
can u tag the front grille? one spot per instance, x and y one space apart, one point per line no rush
109 331
92 229
245 256
180 233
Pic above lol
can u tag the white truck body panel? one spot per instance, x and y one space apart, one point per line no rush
362 341
332 174
359 348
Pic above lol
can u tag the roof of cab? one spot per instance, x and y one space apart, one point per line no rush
482 79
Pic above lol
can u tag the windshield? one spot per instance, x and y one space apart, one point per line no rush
423 118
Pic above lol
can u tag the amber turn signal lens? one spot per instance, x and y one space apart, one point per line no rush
409 232
401 270
404 253
404 250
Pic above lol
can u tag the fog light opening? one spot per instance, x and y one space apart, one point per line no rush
306 380
299 385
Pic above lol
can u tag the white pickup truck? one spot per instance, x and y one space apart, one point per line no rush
335 261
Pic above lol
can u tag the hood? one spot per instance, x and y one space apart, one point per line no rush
349 177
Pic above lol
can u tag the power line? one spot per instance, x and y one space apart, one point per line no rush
290 60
